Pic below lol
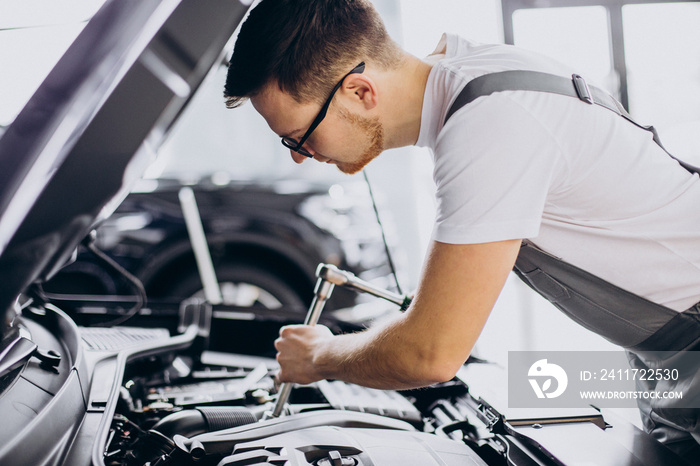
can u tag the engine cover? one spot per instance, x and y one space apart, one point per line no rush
341 446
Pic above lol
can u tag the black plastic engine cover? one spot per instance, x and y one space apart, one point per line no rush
336 446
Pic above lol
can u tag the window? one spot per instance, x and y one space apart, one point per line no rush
663 62
652 46
577 36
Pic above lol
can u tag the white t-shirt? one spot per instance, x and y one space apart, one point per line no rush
577 180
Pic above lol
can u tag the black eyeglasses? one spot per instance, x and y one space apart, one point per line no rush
296 146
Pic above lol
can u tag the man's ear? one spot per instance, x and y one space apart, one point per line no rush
360 89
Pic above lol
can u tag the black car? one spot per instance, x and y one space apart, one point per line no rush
265 240
117 395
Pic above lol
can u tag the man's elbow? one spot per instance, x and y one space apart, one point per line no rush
437 369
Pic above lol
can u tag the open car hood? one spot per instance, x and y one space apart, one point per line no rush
92 126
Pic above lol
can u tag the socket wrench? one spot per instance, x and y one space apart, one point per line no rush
328 277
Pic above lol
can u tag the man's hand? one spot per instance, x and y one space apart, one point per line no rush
295 347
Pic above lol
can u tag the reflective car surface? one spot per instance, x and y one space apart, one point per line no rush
94 392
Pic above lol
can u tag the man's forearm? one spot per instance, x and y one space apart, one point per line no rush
386 356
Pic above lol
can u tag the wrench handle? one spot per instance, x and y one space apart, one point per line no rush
323 291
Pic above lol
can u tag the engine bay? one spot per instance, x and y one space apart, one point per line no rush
173 409
219 408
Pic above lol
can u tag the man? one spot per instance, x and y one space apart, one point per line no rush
576 180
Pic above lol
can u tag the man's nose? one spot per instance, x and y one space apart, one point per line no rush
297 157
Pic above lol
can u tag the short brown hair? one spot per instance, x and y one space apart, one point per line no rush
306 46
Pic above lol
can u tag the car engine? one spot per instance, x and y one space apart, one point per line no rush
214 412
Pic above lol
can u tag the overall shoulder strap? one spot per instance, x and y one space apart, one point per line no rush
525 80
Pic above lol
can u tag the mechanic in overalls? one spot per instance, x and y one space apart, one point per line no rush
518 172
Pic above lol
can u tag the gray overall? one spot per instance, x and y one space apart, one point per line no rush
654 336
